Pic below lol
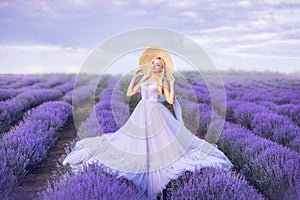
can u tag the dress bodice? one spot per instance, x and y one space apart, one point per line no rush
149 92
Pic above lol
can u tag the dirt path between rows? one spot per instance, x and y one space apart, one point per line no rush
37 180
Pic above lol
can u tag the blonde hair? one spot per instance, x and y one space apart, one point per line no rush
161 76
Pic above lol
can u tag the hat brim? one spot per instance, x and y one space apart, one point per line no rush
153 52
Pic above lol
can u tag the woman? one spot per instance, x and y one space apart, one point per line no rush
153 146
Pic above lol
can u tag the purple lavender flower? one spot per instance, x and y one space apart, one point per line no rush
93 182
274 169
27 144
12 110
211 183
277 128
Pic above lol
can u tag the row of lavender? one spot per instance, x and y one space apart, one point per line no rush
105 119
84 91
21 84
55 88
27 144
196 115
95 183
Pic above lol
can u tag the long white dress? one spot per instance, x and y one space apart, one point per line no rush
151 148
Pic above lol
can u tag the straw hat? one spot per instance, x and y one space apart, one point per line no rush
152 52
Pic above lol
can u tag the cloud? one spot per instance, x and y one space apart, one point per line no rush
41 59
3 4
152 2
137 12
181 4
41 5
244 3
189 14
120 2
280 49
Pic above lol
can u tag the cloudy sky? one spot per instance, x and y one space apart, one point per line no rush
40 36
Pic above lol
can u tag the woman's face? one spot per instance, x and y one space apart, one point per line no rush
157 65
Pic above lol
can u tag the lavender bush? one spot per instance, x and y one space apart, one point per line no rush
277 128
211 183
80 94
274 169
290 110
93 182
52 80
27 144
66 87
12 110
244 112
7 79
25 80
111 111
8 179
6 94
85 91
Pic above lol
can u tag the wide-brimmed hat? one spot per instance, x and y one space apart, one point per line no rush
152 52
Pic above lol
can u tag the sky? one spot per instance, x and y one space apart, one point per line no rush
40 36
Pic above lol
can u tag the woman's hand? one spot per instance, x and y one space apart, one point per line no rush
172 79
138 72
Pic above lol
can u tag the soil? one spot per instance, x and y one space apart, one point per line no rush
37 180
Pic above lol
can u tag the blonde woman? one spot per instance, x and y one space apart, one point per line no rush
153 146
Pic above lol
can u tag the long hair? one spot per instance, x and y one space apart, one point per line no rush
161 76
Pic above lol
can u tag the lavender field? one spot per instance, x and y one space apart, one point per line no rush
261 136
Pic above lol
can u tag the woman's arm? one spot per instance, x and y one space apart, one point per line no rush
169 90
132 90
